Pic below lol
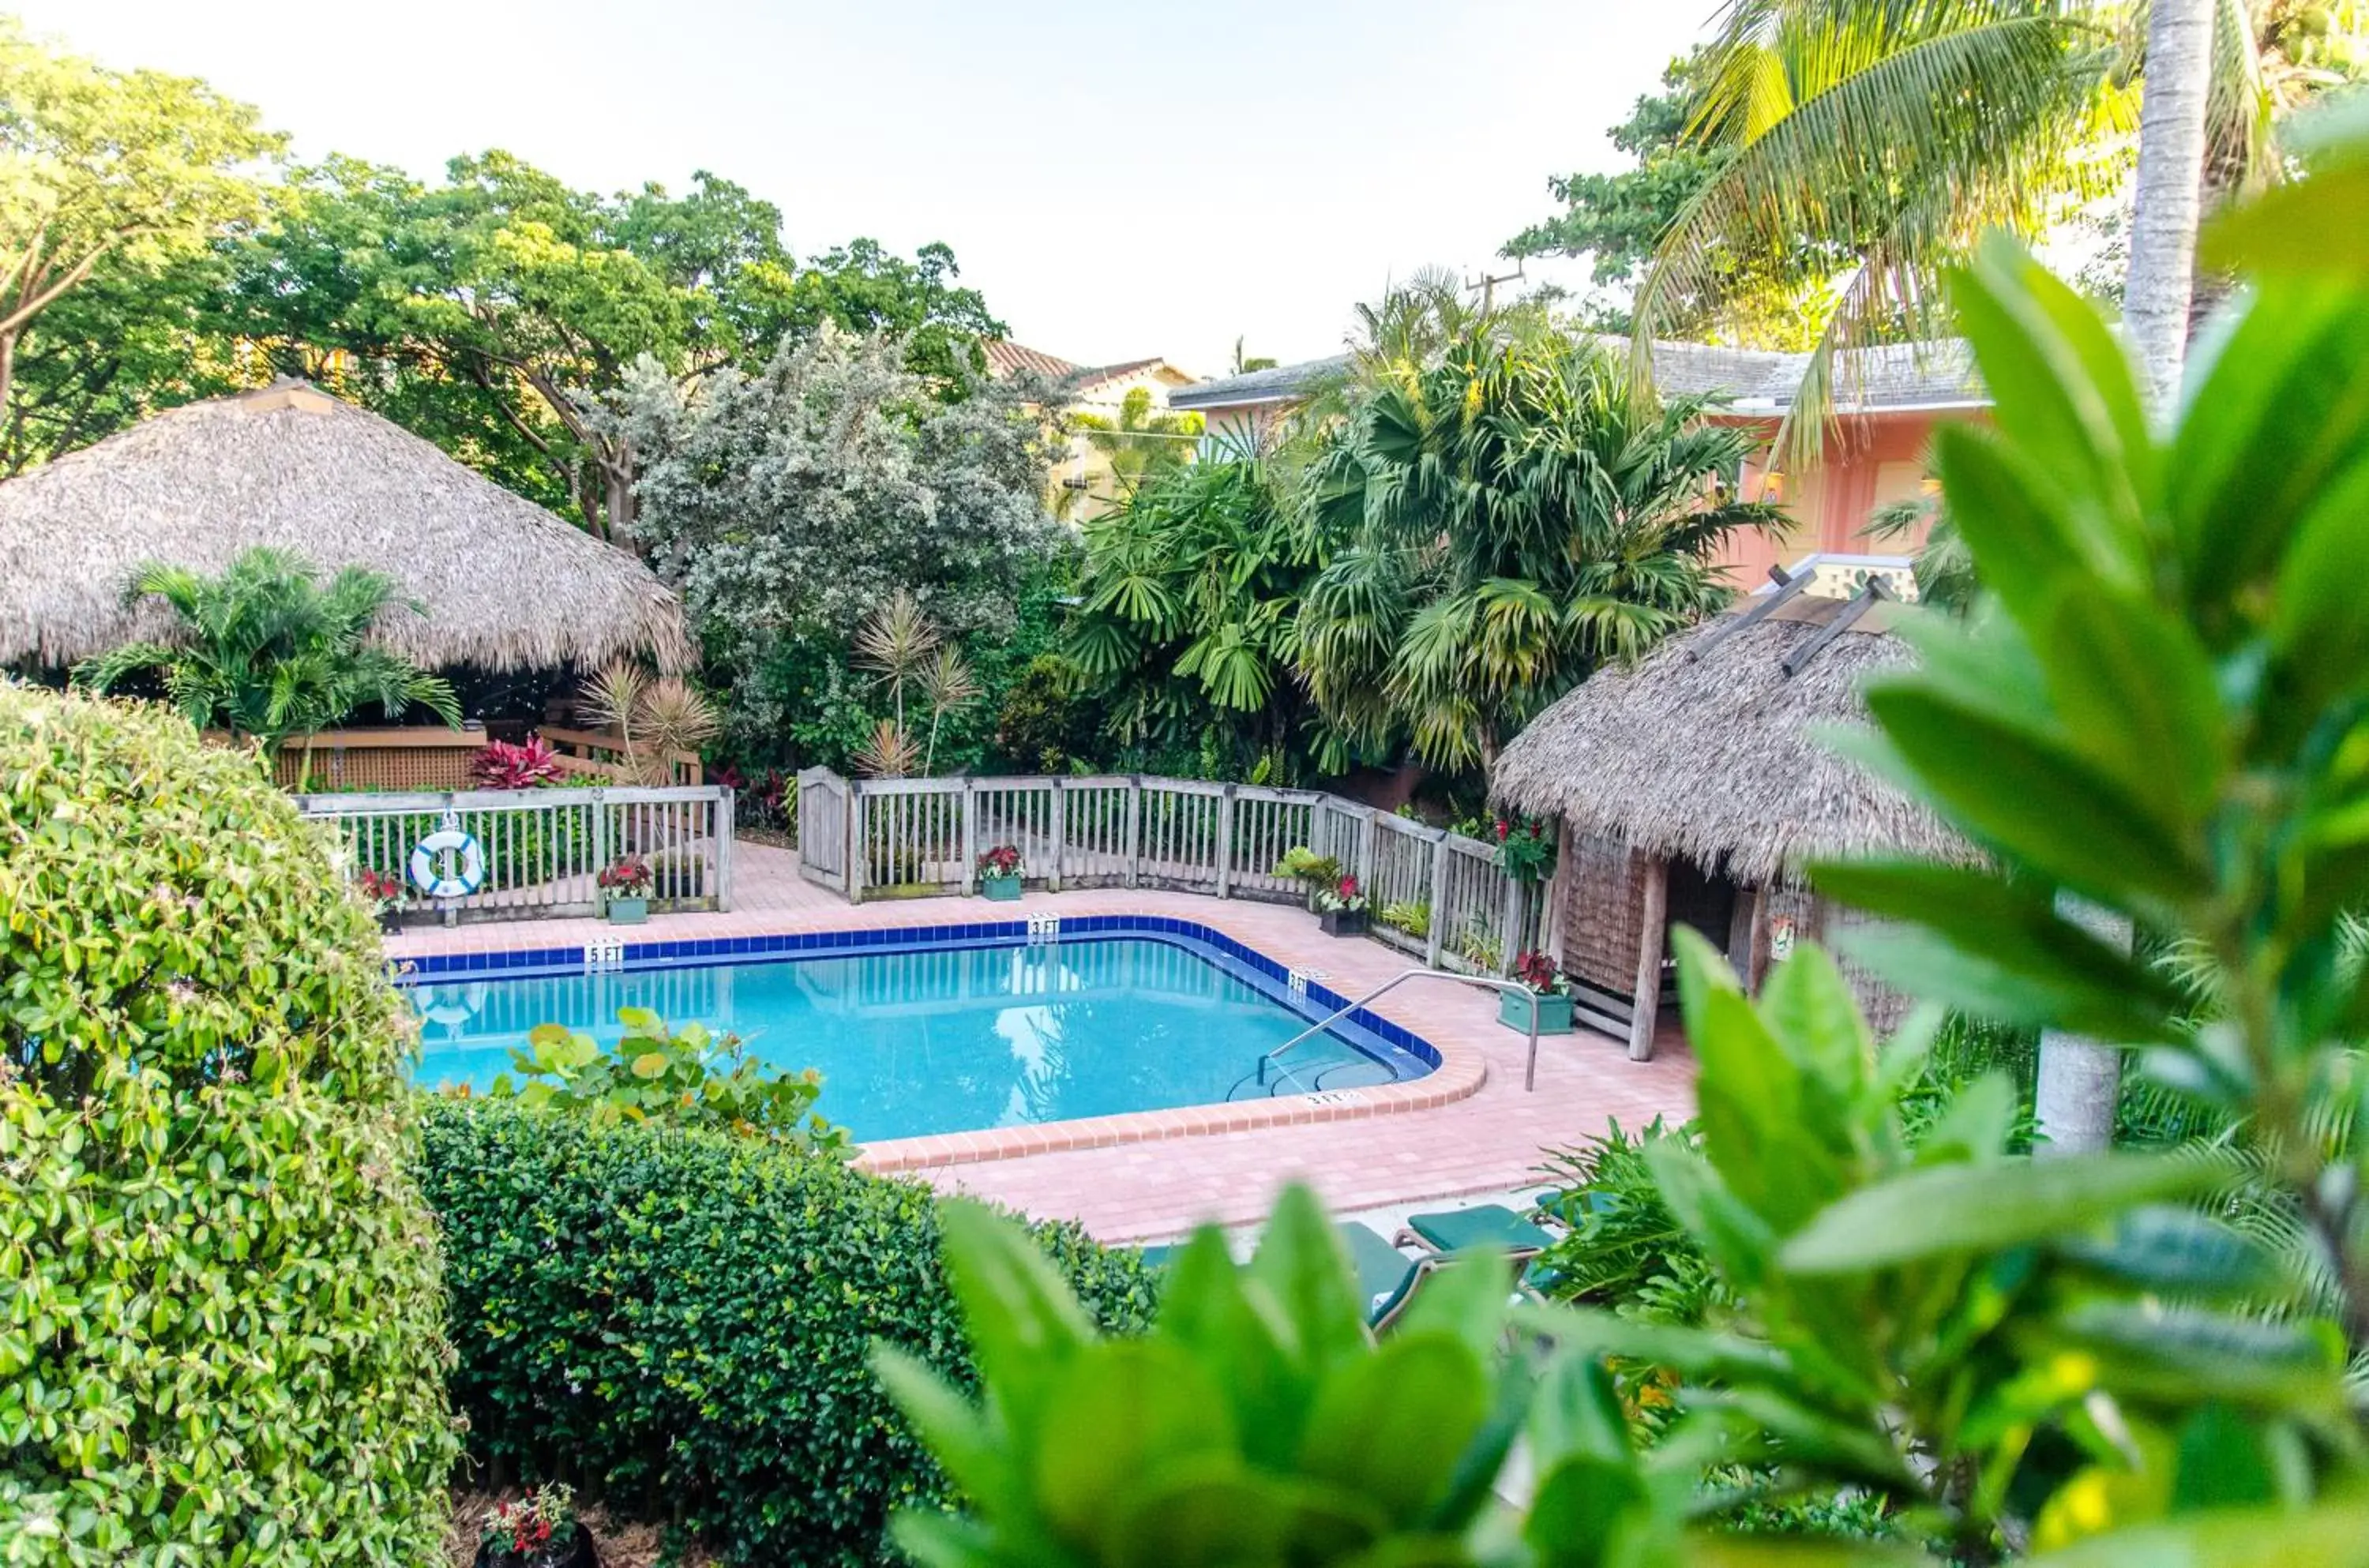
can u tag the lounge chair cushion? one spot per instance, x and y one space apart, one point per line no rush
1385 1274
1492 1225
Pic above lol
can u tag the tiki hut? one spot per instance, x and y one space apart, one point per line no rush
506 585
1693 788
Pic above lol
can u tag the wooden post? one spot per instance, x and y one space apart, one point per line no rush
1134 828
1060 834
855 866
1368 865
970 837
1513 926
1653 936
1763 932
1226 843
1439 909
1551 917
724 833
1742 924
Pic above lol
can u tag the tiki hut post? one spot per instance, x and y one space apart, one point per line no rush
1747 936
1653 940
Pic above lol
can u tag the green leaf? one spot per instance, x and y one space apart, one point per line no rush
1117 1412
1391 1425
1585 1512
1205 1307
650 1064
2329 1533
958 1436
2221 1462
2026 791
2138 694
1951 1210
1305 1273
2307 229
2181 1253
1023 1322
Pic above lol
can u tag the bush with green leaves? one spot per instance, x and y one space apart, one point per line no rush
2158 709
677 1321
689 1077
220 1308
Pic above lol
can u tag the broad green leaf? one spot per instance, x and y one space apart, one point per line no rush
2183 1354
1391 1424
2029 793
1117 1412
2137 695
2319 623
650 1064
1301 1266
959 1438
1951 1209
1586 1512
2316 228
2181 1253
1023 1322
2334 1534
1702 1355
2221 1462
1206 1308
941 1540
1576 1414
1808 1007
1202 1510
2030 551
1739 1241
1464 1300
1975 1125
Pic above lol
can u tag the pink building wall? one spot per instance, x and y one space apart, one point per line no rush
1871 461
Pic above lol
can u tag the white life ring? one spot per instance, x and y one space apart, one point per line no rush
429 879
452 1008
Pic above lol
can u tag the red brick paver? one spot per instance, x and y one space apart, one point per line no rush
1162 1172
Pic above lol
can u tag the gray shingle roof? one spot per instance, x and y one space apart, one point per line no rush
1890 376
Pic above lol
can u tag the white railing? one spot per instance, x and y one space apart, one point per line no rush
542 849
1430 892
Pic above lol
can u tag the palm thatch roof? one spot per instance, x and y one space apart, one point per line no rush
1707 749
506 584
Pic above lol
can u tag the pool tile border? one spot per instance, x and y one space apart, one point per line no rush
1457 1073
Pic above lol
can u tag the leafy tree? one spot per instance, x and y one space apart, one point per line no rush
2160 709
139 168
499 313
267 651
1617 220
791 505
1184 625
1518 511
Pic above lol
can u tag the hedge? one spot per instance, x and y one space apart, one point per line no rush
679 1320
220 1303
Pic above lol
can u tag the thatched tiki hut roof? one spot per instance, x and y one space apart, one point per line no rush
1694 787
506 585
1708 750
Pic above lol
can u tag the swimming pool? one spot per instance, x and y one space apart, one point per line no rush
945 1029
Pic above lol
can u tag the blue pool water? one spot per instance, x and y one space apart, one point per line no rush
949 1038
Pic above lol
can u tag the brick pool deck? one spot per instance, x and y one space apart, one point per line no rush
1165 1171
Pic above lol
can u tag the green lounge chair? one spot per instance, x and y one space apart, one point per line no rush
1387 1277
1490 1227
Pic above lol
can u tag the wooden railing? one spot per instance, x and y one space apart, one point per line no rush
543 848
602 752
1432 893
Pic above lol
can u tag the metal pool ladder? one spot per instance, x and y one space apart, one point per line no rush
1506 987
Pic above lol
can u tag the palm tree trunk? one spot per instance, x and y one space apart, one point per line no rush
2080 1079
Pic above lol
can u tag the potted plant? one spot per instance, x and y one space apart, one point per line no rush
538 1530
1315 872
625 891
998 873
1549 991
389 896
1341 909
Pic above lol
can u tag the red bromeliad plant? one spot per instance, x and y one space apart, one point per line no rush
1537 971
627 877
1003 860
1525 850
384 889
503 765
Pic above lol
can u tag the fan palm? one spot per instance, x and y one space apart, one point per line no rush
268 652
1521 513
1137 443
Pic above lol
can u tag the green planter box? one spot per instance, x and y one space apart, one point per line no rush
1000 889
1554 1014
628 911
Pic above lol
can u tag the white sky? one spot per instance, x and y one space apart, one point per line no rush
1120 180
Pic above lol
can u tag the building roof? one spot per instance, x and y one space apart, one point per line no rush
506 584
1708 748
1891 377
1005 359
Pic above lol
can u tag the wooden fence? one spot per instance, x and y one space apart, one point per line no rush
543 848
1435 894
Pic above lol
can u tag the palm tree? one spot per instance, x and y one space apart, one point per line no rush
267 652
1521 512
1863 145
1136 442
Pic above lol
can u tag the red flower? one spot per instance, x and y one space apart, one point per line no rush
1349 886
1502 830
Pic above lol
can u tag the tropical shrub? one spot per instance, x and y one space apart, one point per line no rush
221 1306
679 1319
1511 513
684 1078
527 764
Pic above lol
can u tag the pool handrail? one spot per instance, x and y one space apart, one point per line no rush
1504 988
